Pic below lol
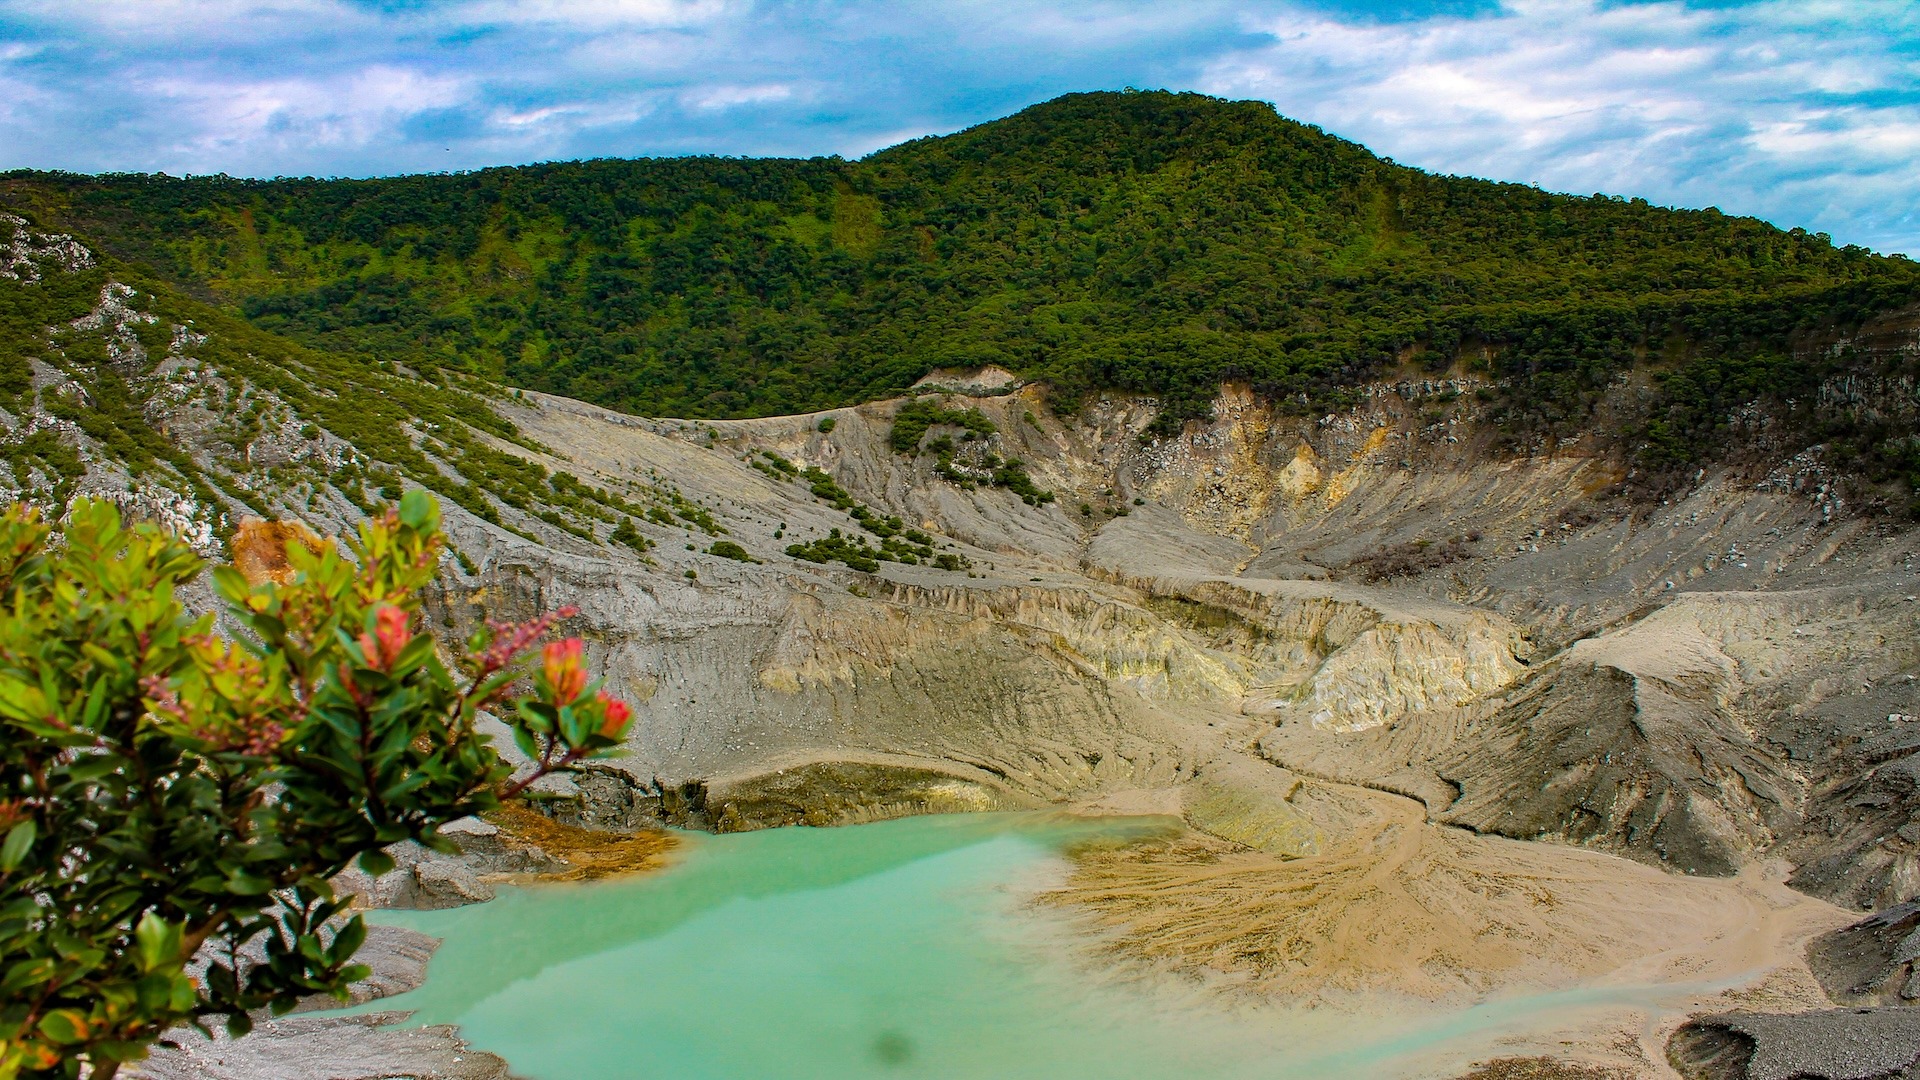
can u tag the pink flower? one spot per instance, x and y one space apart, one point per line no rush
566 669
390 636
617 716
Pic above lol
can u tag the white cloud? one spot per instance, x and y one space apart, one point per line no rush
1838 134
1076 26
1663 100
142 21
351 111
727 97
549 125
590 15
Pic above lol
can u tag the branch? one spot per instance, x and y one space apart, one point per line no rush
545 768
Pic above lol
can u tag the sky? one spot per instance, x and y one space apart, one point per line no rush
1803 112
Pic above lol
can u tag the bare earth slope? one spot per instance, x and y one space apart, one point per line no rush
1696 687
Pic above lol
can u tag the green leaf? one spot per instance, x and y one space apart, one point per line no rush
64 1027
348 940
538 715
99 702
21 700
245 884
573 727
410 783
183 993
158 941
221 983
27 973
418 511
19 841
523 739
231 584
376 862
94 767
417 653
153 992
13 1020
105 659
272 631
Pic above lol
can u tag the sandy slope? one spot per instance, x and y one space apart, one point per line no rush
1395 903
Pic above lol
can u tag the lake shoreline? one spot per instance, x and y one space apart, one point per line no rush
1583 1020
1601 1023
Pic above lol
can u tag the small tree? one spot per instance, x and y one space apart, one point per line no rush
173 804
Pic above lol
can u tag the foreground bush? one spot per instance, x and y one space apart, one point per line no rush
173 803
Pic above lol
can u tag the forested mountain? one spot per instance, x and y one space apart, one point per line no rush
1151 242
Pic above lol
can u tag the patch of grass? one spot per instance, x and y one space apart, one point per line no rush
727 549
917 417
626 535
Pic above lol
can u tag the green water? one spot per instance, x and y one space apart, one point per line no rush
899 949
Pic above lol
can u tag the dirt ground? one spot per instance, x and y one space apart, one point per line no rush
1396 906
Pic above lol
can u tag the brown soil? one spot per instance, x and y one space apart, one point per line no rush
259 549
1543 1068
591 854
1394 904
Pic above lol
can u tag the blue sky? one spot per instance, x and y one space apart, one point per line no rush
1805 112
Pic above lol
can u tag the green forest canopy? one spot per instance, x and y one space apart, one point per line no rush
1152 242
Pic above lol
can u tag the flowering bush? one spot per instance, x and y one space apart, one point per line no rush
174 803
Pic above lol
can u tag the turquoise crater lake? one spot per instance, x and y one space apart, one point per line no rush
900 949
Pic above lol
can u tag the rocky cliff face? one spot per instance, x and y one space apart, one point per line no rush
1694 684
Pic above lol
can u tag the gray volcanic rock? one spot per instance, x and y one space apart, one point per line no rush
428 880
1627 742
335 1047
1832 1044
845 792
321 1048
1871 962
1861 845
1691 689
398 957
1695 736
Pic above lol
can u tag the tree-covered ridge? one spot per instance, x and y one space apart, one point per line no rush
1152 242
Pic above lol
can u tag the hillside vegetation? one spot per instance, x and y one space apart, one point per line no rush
1151 242
114 383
